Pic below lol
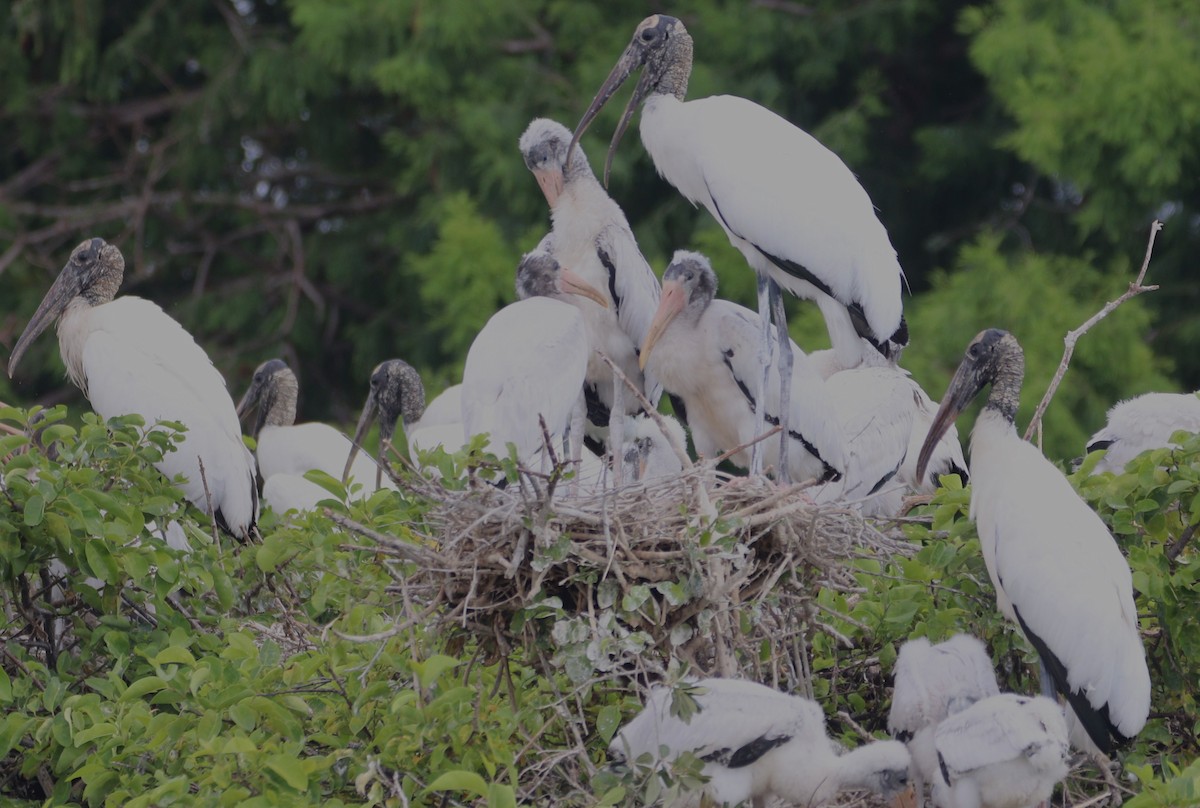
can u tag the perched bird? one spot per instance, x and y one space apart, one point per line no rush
755 743
648 456
920 409
790 205
529 360
129 357
439 426
396 392
287 450
1058 573
703 351
1005 751
1142 423
591 236
933 682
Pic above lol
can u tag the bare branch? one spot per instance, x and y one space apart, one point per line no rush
1135 288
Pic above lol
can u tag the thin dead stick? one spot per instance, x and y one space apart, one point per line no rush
652 411
1072 337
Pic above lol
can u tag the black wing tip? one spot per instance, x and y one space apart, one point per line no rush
1095 721
753 751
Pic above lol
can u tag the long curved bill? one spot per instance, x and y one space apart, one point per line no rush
673 299
571 284
65 287
963 388
631 60
360 431
252 398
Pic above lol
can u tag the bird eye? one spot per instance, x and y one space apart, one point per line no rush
974 350
649 35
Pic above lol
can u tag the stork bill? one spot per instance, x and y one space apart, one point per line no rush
395 392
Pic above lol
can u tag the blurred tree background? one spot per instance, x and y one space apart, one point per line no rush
336 182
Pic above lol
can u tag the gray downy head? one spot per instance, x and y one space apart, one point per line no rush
272 394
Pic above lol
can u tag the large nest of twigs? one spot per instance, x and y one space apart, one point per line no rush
702 567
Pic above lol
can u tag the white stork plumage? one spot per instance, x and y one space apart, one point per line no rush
933 682
591 236
791 206
446 408
703 351
1143 423
287 450
530 359
130 357
885 416
395 393
1057 571
1005 751
755 743
648 456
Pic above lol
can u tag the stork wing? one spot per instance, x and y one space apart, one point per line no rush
634 288
934 680
999 729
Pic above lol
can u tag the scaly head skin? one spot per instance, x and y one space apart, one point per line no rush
663 46
93 272
395 392
273 392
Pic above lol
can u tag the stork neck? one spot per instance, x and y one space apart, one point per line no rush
678 68
281 400
104 288
1005 396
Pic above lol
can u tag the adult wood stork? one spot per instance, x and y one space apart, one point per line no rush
591 236
396 392
288 450
791 206
933 682
129 357
648 456
1142 423
703 351
1005 751
1058 573
755 743
530 359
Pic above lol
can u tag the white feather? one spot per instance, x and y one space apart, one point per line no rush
529 360
446 408
775 188
1054 561
1006 751
1143 423
734 713
129 356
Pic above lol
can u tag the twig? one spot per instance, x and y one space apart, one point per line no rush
1072 337
1177 546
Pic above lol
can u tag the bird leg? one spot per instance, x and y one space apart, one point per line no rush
784 364
616 431
764 359
575 440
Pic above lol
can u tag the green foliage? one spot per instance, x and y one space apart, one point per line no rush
1039 298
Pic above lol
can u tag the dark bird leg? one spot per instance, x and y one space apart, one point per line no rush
764 358
784 361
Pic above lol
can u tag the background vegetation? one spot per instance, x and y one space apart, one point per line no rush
337 182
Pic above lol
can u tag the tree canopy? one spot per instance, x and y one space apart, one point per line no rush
338 183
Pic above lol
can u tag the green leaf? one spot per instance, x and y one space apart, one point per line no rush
290 769
142 688
607 722
460 780
35 508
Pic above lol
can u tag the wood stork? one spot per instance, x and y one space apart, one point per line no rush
648 456
1005 751
288 450
530 359
130 357
703 351
791 206
396 392
1142 423
591 236
1057 571
933 682
757 742
446 408
885 416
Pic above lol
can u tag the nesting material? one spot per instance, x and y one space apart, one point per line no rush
683 560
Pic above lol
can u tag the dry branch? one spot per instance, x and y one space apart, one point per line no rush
1135 288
